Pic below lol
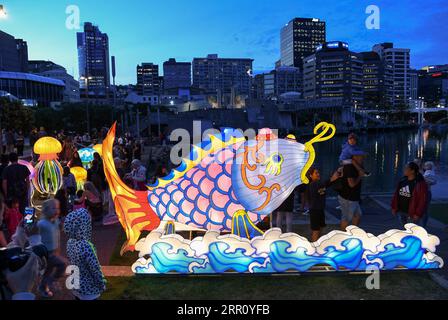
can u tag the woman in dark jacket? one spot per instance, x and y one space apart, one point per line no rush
409 201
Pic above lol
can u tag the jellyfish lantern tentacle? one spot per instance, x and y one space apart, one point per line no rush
48 178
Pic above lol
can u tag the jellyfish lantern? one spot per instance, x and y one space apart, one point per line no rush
80 176
86 156
48 178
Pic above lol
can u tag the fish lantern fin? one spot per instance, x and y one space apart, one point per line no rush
132 207
170 228
243 227
324 131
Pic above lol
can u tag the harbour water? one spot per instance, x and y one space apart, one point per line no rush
388 153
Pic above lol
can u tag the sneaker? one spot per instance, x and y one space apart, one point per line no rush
338 208
306 212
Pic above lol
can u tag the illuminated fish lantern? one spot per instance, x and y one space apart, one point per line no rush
48 177
99 149
80 175
86 156
227 184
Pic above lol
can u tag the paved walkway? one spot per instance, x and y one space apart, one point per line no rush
377 219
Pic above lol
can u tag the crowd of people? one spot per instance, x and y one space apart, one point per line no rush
73 210
410 202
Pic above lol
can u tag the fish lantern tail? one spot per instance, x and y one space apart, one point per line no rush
132 207
324 131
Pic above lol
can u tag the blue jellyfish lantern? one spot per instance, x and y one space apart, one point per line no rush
86 156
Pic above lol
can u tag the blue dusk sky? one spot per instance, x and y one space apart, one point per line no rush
155 30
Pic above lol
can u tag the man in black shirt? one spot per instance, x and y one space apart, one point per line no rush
15 182
350 193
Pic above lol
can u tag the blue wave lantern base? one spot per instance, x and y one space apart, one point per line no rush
277 252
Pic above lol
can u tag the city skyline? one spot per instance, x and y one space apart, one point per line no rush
252 32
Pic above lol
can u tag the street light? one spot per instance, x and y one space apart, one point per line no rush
3 14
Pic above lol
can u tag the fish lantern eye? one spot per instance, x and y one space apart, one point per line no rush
276 158
274 164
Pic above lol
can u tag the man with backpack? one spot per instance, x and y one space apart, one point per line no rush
15 182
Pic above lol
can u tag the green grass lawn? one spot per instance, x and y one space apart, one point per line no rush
392 286
439 211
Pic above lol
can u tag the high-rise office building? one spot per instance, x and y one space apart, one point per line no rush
433 85
377 81
399 59
13 53
282 80
257 86
176 74
334 72
93 60
413 84
299 38
148 80
222 74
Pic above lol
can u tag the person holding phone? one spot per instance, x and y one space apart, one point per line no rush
20 284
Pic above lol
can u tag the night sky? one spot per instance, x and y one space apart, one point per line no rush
153 30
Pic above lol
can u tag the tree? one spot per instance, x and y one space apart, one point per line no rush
14 116
73 117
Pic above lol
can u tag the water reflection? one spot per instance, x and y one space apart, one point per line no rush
388 154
